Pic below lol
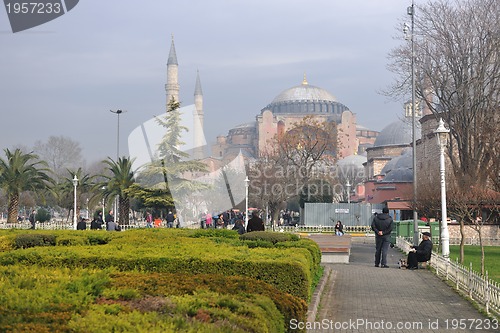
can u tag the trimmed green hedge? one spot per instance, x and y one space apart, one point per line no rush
160 284
288 267
179 272
38 299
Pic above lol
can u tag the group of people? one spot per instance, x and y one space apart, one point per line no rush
156 222
222 220
255 223
98 223
382 225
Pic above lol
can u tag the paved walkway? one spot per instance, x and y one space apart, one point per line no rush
359 297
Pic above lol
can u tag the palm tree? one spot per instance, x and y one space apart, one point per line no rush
122 177
21 172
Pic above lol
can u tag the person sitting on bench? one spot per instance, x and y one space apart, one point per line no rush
420 253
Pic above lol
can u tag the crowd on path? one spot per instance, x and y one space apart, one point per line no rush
224 220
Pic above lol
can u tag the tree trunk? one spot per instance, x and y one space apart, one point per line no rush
462 241
482 249
124 211
13 209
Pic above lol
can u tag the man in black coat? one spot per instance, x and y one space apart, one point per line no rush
81 225
255 223
420 253
382 226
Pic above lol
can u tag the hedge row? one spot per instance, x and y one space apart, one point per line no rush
38 299
289 265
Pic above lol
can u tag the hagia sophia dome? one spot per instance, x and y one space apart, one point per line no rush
398 132
306 99
400 168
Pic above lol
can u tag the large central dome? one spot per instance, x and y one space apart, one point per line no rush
304 92
305 98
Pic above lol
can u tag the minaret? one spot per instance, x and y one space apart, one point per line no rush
198 116
172 86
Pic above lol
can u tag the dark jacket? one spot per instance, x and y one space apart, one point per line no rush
382 222
82 225
96 224
255 224
240 228
424 250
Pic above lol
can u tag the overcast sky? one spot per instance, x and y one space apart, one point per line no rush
63 77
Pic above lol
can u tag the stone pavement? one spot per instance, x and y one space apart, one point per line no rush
359 297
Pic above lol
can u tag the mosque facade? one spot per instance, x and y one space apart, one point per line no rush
288 108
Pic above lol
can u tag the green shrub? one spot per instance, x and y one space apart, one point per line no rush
43 215
98 238
258 243
223 233
6 243
70 241
273 237
24 241
204 312
164 284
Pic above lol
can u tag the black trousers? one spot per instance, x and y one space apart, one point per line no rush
414 258
382 246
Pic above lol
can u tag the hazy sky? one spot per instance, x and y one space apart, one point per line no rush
63 77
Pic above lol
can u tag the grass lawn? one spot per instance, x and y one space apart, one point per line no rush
473 255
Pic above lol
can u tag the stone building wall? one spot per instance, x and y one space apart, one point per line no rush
488 232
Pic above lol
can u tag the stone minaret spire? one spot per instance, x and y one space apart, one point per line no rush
198 127
172 86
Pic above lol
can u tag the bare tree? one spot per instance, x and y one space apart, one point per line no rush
293 165
60 153
457 64
475 207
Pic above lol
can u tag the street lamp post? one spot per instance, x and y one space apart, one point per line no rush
118 113
348 185
75 183
103 203
247 181
442 135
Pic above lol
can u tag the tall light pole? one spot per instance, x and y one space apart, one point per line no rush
442 135
348 185
411 36
75 183
247 181
117 112
103 203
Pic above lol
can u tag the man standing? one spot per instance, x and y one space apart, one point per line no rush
255 223
382 226
32 219
170 219
109 218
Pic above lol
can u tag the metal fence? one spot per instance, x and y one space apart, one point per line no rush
68 225
361 229
479 288
351 214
